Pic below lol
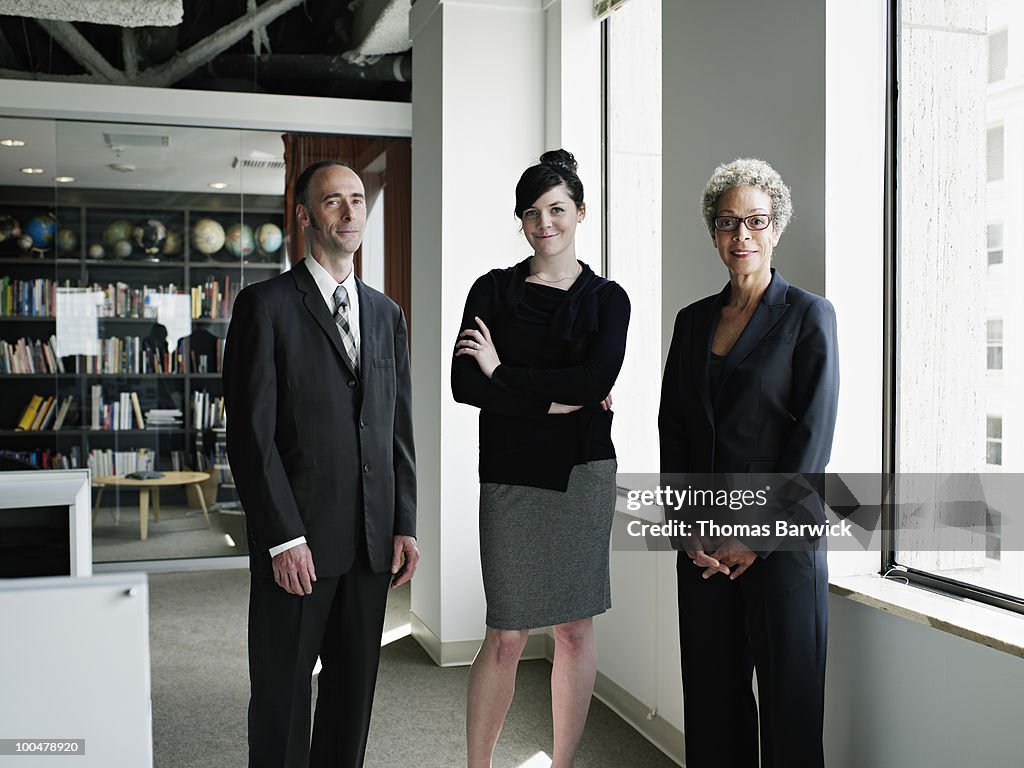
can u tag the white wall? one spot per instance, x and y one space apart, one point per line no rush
741 79
900 694
782 121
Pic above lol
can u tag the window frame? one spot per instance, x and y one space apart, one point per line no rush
891 343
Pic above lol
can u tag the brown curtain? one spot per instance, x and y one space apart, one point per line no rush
398 226
300 150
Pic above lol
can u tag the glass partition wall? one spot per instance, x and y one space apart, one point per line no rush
122 248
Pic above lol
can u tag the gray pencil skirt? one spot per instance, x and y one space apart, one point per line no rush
544 553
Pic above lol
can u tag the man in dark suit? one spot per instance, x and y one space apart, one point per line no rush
318 396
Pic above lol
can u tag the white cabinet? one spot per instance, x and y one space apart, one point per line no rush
74 664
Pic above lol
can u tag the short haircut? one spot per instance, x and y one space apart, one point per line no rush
751 172
306 177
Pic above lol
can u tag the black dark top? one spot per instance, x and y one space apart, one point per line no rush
555 346
715 365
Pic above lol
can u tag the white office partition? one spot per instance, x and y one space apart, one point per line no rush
69 488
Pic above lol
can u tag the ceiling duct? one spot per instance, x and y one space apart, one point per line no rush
259 163
123 140
120 13
380 27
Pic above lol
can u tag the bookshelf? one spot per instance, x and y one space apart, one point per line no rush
136 371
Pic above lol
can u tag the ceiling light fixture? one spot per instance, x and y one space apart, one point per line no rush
122 167
31 171
12 142
218 185
63 179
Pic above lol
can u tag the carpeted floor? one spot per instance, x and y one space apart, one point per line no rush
200 692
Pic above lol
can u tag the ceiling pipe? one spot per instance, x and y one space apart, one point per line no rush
313 67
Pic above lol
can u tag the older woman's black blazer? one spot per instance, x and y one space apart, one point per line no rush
775 410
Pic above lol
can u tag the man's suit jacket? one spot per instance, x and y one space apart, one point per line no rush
313 447
775 410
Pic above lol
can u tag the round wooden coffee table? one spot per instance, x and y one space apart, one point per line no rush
149 490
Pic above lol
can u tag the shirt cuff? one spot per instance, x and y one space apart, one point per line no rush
275 551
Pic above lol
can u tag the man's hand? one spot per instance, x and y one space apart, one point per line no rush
734 556
404 560
294 571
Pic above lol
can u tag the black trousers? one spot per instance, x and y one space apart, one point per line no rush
341 621
772 619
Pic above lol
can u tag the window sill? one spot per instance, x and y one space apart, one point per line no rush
983 624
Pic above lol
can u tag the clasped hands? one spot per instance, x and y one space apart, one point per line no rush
730 557
477 343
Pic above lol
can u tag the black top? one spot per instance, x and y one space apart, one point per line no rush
715 365
555 346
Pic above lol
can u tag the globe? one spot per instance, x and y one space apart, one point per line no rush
95 251
269 238
42 230
150 235
117 230
67 240
122 249
207 236
10 229
239 240
174 244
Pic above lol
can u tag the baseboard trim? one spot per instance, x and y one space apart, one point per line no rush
460 653
661 733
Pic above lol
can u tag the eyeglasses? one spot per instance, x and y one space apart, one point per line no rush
754 223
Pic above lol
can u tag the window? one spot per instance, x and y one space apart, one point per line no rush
953 324
997 46
994 343
995 244
994 153
994 443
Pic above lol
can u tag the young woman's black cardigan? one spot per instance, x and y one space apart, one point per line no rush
570 356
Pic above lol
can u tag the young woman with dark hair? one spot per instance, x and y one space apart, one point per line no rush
541 345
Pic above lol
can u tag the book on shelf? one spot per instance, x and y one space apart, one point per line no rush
51 414
37 422
44 458
157 418
62 412
106 462
137 409
25 356
96 409
29 414
29 298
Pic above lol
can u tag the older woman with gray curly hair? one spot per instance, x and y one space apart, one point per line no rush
751 386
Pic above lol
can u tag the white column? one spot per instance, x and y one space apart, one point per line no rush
478 122
573 107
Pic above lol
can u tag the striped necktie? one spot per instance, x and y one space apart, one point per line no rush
341 318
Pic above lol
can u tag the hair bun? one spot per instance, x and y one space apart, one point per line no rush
559 158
